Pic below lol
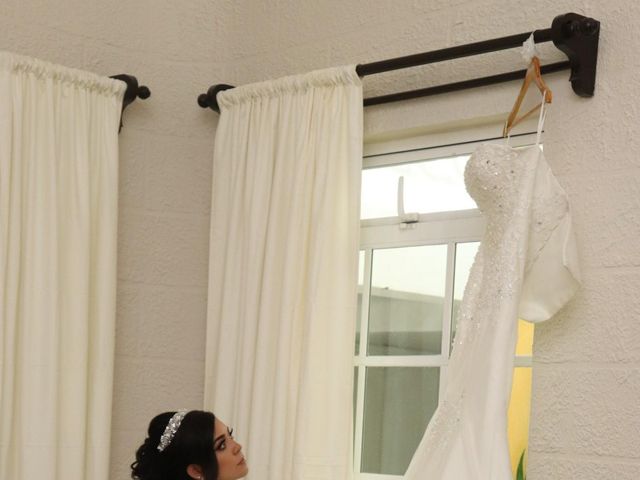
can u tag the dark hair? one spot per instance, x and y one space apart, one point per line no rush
192 444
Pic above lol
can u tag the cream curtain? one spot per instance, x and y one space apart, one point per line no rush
283 272
58 220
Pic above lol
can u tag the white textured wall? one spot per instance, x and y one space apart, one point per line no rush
586 408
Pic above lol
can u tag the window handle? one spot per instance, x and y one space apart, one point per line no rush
407 220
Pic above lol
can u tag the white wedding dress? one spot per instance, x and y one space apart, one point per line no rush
526 267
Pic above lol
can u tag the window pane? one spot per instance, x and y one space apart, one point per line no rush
355 395
360 292
429 186
465 253
406 300
525 338
519 412
398 404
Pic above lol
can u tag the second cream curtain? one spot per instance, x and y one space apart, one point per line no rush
283 272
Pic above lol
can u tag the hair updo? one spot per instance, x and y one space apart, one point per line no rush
192 444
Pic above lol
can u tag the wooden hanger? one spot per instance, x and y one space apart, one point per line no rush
533 75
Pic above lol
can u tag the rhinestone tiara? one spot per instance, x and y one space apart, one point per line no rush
171 429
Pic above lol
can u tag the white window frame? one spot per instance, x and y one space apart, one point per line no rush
440 228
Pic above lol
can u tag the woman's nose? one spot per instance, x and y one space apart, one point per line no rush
237 447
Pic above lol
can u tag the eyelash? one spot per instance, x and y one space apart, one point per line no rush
223 444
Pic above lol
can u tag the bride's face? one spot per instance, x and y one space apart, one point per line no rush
231 462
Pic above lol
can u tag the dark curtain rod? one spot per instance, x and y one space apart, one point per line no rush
451 53
575 35
132 92
463 85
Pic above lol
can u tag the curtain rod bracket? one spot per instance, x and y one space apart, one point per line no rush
133 91
577 36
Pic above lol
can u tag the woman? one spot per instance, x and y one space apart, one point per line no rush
192 445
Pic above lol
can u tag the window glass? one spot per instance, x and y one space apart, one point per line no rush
398 404
406 300
355 394
360 293
519 413
525 338
429 186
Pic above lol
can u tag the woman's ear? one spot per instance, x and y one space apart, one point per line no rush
195 472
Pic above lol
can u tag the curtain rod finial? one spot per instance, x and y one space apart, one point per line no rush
133 91
209 100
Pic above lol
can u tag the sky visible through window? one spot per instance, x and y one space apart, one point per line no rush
429 186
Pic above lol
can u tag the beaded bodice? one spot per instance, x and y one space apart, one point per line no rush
496 177
491 177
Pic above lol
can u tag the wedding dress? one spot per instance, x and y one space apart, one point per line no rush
526 267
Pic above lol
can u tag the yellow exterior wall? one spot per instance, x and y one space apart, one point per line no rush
520 403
